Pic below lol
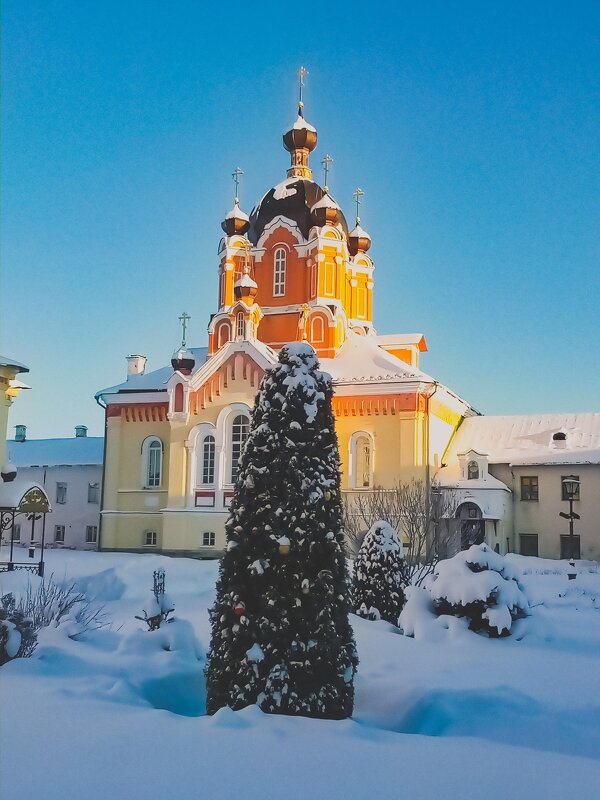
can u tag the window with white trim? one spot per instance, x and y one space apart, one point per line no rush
93 492
149 538
154 464
61 493
241 324
240 429
362 461
279 272
91 534
473 471
59 533
16 532
207 465
208 539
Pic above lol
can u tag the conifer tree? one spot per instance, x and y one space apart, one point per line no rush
280 631
378 575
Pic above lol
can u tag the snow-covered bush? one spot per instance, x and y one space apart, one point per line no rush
281 637
18 637
49 603
378 575
477 584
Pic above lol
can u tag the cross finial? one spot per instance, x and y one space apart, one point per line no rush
358 193
302 72
236 175
184 319
326 162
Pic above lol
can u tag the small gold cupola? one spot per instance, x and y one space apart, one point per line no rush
301 139
359 240
236 221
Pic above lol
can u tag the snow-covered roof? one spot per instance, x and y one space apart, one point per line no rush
10 362
301 124
155 381
75 451
326 201
402 340
359 232
237 213
13 492
528 439
361 359
246 280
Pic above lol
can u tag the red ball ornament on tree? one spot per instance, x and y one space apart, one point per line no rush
239 609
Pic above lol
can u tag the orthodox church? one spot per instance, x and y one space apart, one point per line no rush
291 270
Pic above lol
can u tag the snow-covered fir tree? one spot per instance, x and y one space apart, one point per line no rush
378 575
280 631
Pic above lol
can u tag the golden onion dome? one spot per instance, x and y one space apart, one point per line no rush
301 136
236 221
325 211
359 240
245 288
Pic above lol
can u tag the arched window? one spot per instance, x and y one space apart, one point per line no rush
279 273
240 324
178 401
317 328
363 462
152 457
207 465
473 471
224 332
239 433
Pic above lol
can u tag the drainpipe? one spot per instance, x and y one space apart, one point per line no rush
96 398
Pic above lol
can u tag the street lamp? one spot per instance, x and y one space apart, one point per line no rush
571 487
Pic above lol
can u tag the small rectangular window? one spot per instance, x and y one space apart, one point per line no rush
91 534
565 546
93 493
564 494
208 539
529 487
528 544
61 493
59 533
16 532
150 539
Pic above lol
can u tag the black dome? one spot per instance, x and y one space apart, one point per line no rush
293 199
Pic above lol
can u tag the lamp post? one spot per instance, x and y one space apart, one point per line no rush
571 486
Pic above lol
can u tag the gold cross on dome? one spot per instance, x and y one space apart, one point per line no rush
184 319
302 72
236 175
358 193
326 162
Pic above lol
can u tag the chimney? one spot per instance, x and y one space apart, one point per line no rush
559 440
80 431
135 365
20 433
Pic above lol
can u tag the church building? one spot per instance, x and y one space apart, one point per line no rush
291 270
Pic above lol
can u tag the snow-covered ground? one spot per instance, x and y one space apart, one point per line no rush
119 714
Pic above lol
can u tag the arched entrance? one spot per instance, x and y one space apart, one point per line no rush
471 525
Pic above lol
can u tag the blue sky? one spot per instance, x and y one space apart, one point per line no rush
472 128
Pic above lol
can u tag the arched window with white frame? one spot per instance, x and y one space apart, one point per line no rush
317 329
240 428
207 461
279 272
152 462
361 454
241 324
473 471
